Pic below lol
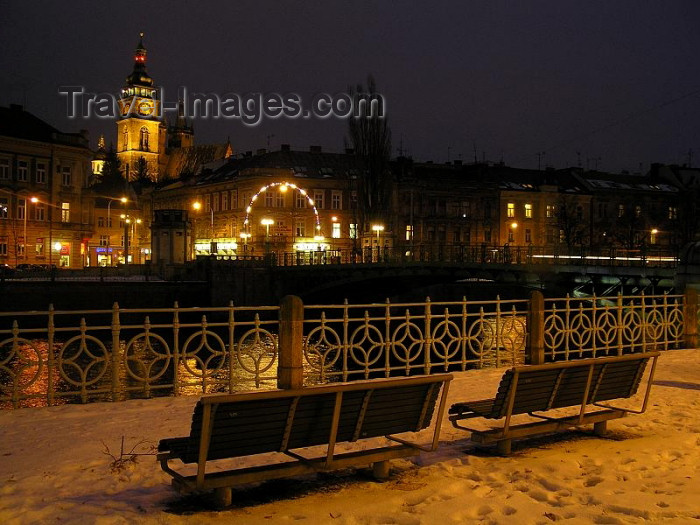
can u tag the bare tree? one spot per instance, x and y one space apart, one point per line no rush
370 137
570 221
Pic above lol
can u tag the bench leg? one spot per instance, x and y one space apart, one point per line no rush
380 469
223 497
600 428
503 447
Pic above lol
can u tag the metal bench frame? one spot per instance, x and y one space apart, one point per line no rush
378 457
511 380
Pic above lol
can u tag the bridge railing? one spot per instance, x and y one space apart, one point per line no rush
53 357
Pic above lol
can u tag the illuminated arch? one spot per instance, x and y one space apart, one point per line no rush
302 191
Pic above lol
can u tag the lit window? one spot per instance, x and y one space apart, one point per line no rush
672 212
409 232
528 211
528 235
511 236
143 142
637 211
335 233
4 169
4 206
620 210
39 247
353 231
300 201
65 212
550 211
104 240
511 209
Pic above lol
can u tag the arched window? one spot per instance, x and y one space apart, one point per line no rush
144 139
126 140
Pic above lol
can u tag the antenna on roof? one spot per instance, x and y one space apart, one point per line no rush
401 146
270 136
476 159
448 153
540 154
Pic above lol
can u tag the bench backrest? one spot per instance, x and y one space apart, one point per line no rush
276 421
558 385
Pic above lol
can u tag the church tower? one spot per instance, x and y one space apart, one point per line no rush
140 128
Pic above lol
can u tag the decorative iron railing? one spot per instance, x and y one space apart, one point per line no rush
54 357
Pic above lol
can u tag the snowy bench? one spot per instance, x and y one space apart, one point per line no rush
288 421
541 388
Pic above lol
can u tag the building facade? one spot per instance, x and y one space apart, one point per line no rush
44 209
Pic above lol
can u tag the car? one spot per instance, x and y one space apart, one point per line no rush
6 270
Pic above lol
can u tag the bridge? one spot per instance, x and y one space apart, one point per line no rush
313 275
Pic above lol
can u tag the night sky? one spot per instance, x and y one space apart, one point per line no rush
612 84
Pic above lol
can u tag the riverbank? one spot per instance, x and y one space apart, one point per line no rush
57 466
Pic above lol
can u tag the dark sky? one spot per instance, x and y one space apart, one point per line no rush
617 81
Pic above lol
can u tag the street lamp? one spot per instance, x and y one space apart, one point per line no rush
26 212
378 228
196 205
267 222
123 200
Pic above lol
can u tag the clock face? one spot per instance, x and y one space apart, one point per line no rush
145 108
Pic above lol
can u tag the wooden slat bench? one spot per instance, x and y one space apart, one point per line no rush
287 421
540 388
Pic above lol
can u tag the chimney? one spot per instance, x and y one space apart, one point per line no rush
261 151
315 149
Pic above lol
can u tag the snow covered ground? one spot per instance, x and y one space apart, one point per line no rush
53 469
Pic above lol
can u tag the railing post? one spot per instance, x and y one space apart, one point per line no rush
690 315
116 329
535 332
289 370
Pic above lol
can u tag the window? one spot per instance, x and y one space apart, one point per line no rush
224 201
511 236
300 228
652 236
549 211
269 198
279 199
602 210
21 208
215 202
637 211
353 200
528 211
100 222
579 213
528 235
20 246
41 173
672 212
143 139
353 231
104 240
335 233
336 200
487 235
409 232
125 141
562 237
121 223
456 237
4 207
109 222
511 210
4 169
3 246
22 171
466 209
65 212
318 199
467 237
39 247
66 175
39 211
620 210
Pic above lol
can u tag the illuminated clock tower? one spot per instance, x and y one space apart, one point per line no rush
140 130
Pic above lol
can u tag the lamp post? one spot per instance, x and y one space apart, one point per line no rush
26 212
378 228
267 222
123 200
212 243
